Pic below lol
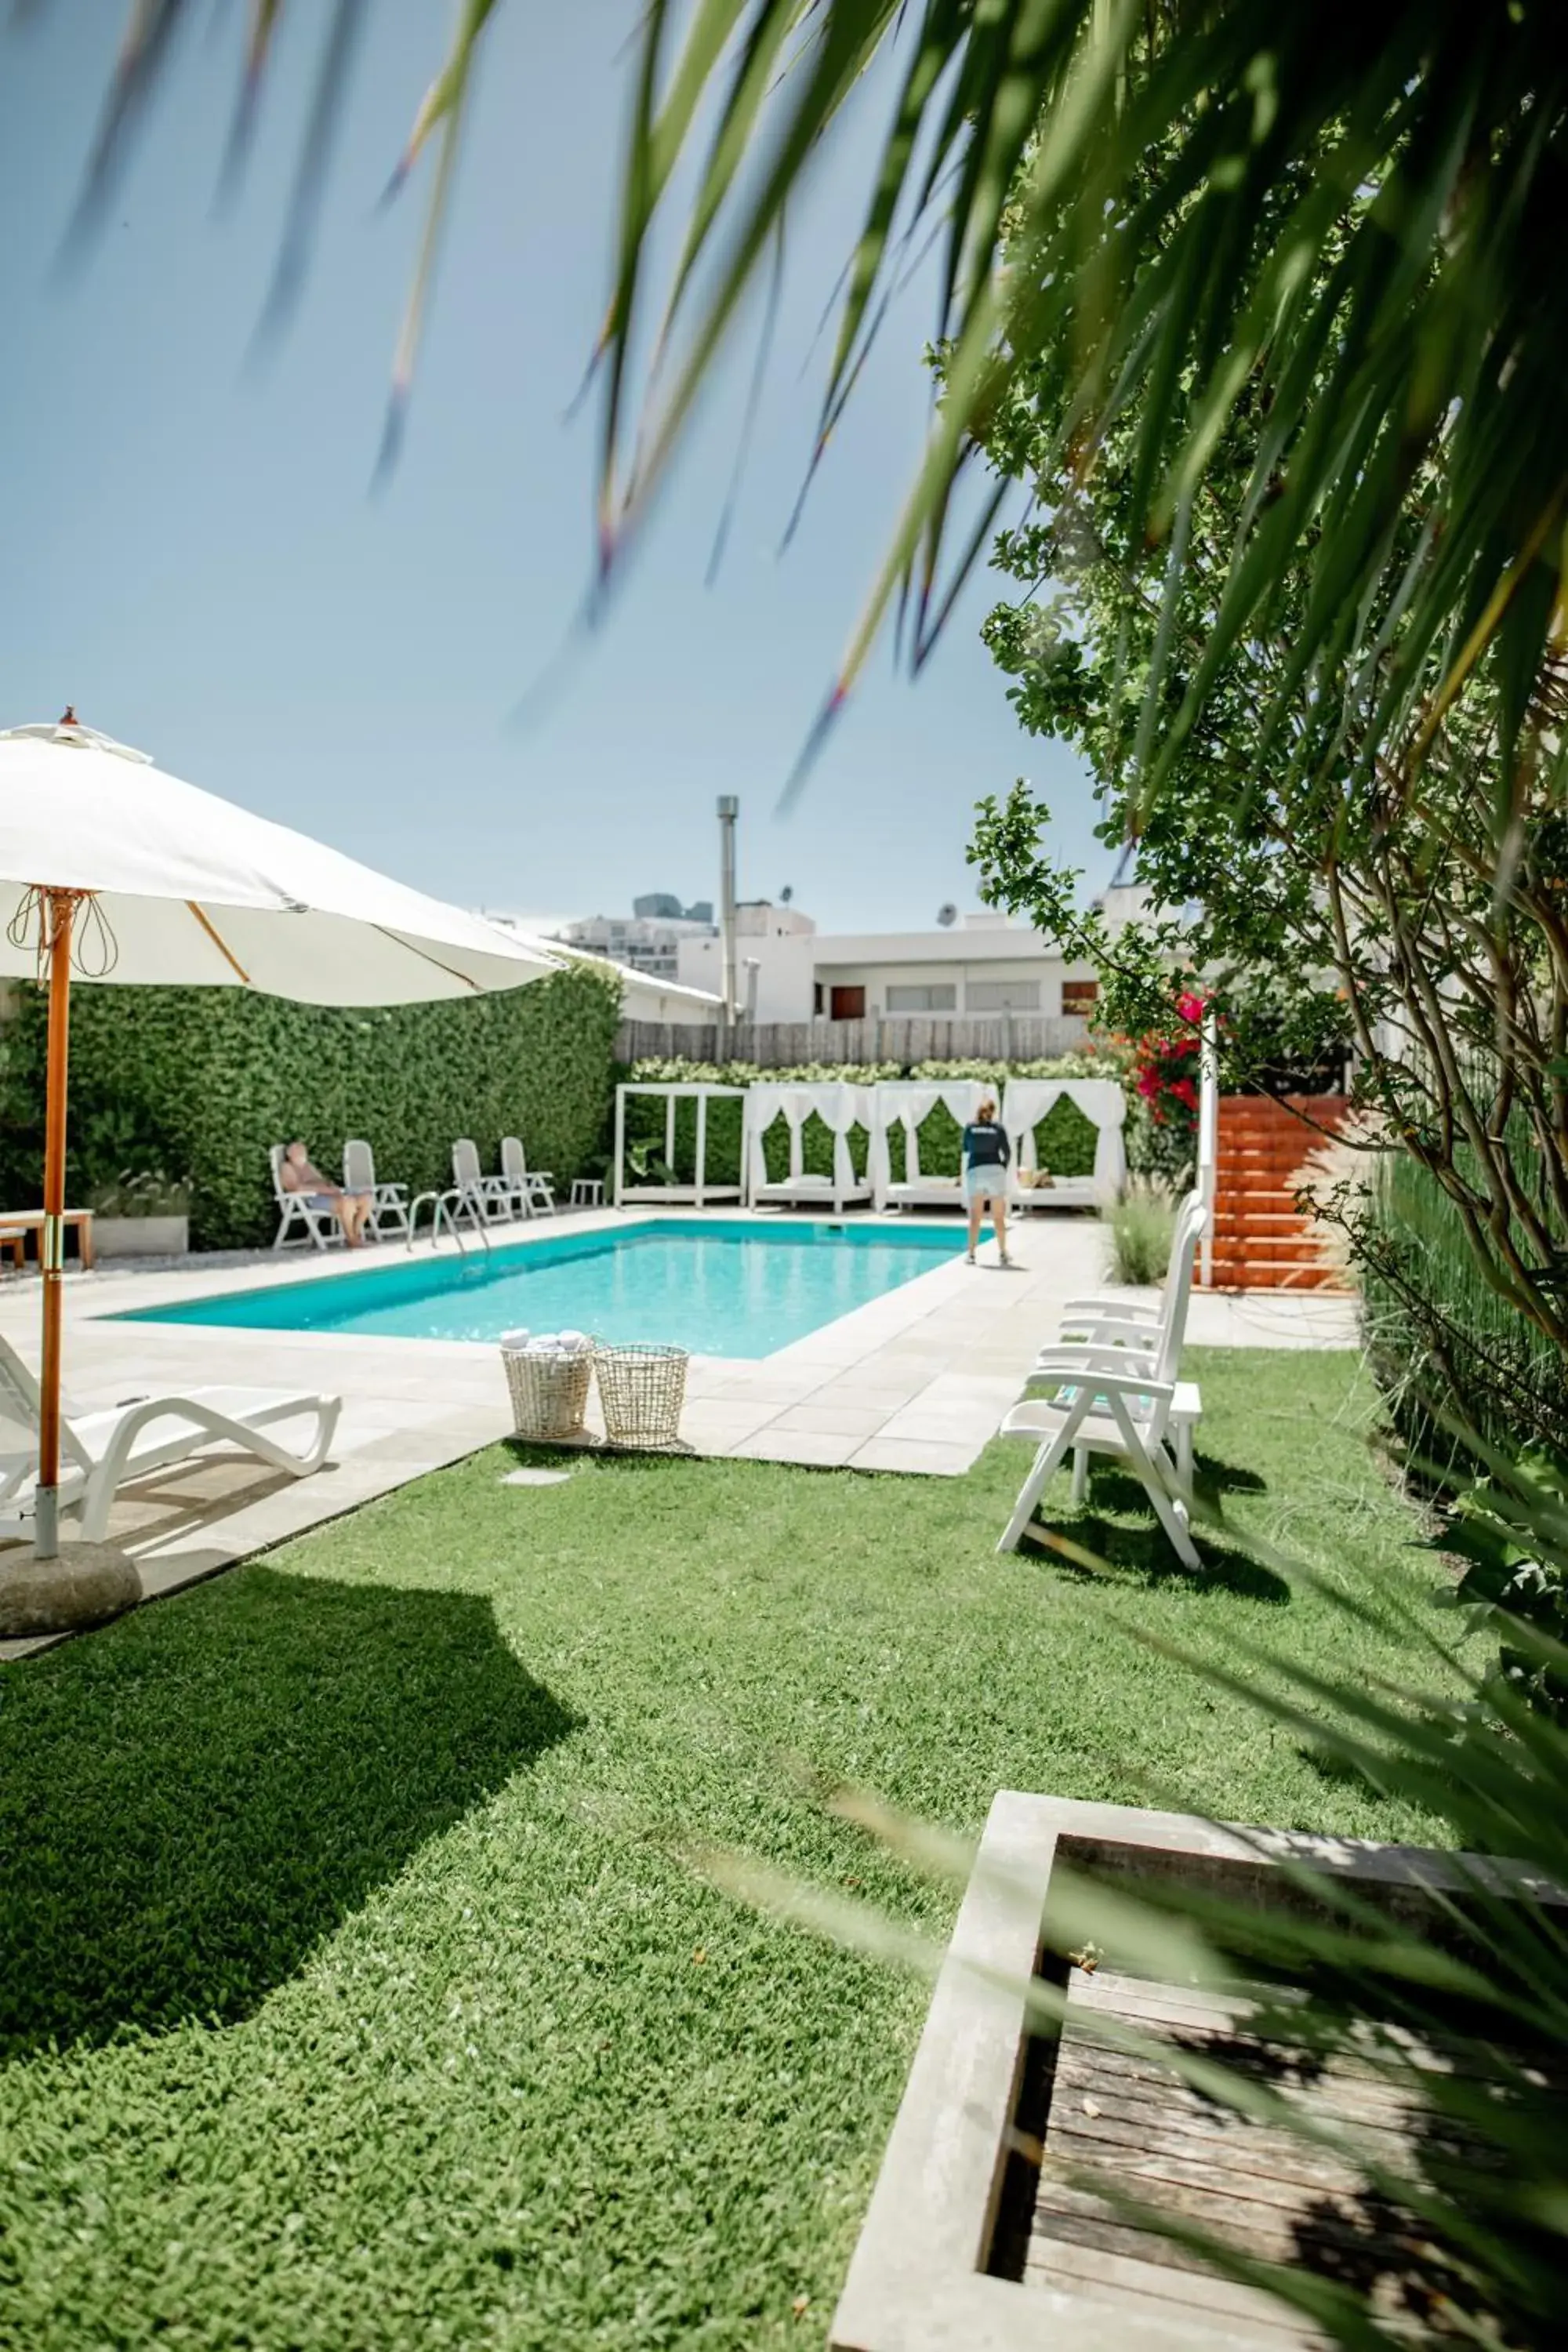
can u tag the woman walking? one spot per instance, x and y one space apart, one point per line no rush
986 1153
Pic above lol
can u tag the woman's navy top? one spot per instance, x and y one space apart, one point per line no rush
985 1146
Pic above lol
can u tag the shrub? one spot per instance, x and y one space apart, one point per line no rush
1443 1342
1141 1224
201 1081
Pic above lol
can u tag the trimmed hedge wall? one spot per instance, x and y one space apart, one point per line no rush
197 1083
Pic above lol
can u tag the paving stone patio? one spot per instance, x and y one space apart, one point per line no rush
915 1381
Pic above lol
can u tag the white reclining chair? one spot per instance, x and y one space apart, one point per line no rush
388 1203
1116 1393
101 1452
532 1189
482 1200
319 1227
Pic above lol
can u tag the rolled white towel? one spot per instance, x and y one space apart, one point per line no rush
513 1342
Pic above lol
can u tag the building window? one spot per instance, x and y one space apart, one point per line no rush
817 1004
1079 996
1001 996
941 998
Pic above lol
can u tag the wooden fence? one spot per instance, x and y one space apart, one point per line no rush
906 1038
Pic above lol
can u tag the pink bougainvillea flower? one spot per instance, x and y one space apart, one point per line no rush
1190 1007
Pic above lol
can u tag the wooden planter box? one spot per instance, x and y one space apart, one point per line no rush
142 1236
977 2241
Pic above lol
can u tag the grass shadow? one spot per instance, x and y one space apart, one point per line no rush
192 1800
1143 1554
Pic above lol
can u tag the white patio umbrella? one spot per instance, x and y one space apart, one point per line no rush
109 865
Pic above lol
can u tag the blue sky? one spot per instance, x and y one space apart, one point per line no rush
191 554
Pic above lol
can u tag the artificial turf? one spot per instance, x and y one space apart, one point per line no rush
354 1992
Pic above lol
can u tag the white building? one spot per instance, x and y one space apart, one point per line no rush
985 965
649 943
645 995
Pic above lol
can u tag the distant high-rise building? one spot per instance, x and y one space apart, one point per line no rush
645 940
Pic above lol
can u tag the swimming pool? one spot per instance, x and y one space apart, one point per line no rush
718 1287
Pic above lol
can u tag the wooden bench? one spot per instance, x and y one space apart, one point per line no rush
15 1224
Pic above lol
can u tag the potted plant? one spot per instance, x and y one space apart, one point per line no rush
145 1216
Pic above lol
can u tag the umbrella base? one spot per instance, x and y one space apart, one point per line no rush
87 1585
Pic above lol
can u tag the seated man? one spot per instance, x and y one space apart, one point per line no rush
352 1210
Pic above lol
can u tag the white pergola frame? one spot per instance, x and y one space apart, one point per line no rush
696 1195
1207 1181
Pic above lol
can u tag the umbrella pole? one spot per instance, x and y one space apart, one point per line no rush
61 907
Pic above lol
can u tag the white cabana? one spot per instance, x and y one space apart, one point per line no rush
839 1107
699 1192
907 1104
1027 1102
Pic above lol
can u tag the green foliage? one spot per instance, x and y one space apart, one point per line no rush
1141 1226
349 1915
1350 221
1446 1343
201 1082
1515 1578
1326 903
144 1194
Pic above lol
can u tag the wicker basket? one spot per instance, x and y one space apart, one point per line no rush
547 1393
641 1390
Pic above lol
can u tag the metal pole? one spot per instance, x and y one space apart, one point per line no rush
728 810
620 1142
58 914
702 1143
1208 1142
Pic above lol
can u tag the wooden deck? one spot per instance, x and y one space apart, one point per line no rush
1136 2125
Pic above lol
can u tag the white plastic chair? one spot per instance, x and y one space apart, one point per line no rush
322 1228
101 1452
533 1188
482 1200
1119 1396
388 1203
1109 1319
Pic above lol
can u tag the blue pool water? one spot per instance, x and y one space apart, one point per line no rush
715 1285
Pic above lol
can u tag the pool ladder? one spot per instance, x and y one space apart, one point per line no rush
453 1205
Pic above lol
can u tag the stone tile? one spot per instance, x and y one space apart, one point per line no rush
816 1448
714 1428
833 1416
923 1456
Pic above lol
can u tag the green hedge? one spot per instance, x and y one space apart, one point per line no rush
199 1082
1442 1342
1064 1139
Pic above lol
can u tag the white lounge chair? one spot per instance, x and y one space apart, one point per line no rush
101 1452
482 1200
388 1203
1118 1394
320 1226
532 1188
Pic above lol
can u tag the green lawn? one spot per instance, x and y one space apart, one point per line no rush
351 1993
